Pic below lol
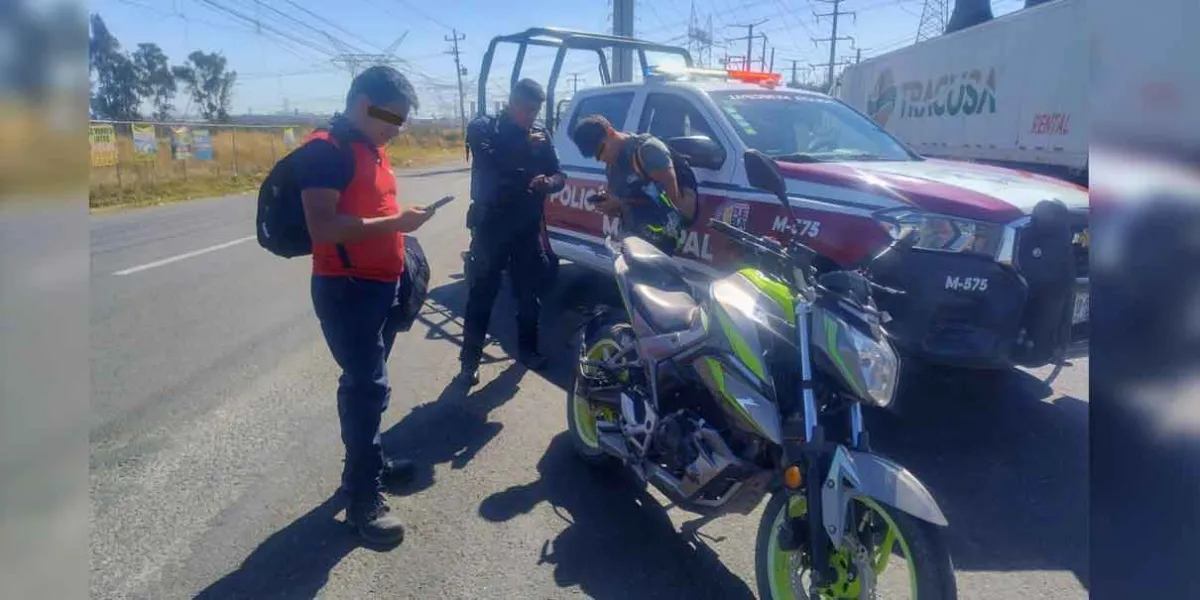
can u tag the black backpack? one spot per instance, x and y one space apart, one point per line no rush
685 177
280 222
414 284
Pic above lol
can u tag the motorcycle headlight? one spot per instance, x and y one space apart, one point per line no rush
868 366
941 233
877 366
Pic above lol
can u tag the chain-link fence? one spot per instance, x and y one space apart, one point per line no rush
137 154
132 161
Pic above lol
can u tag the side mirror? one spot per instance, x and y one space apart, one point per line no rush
701 151
763 173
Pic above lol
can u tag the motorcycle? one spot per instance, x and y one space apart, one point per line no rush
754 388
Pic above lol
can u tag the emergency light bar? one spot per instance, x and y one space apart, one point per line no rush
765 79
659 72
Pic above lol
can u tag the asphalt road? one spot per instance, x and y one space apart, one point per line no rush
215 449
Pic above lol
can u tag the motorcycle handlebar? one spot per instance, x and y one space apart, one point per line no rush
797 253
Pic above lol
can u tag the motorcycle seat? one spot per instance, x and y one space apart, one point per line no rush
652 266
665 311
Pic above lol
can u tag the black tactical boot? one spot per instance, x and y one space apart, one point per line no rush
469 375
533 360
371 517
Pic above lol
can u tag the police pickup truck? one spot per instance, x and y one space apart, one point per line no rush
995 272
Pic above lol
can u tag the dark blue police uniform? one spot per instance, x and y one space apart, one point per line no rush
506 221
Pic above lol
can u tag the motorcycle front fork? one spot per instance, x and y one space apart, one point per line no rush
815 456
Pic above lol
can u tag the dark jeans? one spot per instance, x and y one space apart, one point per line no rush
492 250
356 317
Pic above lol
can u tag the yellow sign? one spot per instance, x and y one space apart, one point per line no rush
181 143
103 140
145 145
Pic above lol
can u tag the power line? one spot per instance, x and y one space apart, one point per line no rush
833 39
749 37
259 24
302 23
288 44
327 22
423 15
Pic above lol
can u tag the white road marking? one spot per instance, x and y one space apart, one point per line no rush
179 257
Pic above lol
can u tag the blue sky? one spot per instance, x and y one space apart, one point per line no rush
275 72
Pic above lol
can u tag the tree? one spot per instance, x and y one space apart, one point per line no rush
210 85
156 82
115 96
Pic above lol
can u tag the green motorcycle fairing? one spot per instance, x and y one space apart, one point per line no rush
746 306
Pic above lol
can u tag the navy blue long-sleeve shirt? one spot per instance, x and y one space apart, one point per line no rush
505 161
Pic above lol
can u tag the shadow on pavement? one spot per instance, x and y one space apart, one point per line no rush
620 543
295 562
1007 464
563 310
451 429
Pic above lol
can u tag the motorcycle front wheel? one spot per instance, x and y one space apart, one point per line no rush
910 558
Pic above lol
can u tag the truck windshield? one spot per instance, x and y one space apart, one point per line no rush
804 128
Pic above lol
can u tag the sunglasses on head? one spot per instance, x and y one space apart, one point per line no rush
386 116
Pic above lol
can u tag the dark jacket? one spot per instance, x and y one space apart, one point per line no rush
504 162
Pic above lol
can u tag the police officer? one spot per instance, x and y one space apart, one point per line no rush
514 168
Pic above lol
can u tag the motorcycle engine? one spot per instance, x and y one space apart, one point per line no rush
676 441
692 451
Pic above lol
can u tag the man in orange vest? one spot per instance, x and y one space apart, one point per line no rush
356 225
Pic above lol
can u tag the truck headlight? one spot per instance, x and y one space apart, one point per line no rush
941 233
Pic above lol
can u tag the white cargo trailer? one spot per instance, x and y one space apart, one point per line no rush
1010 91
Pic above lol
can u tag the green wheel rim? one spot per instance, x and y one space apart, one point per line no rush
585 414
780 567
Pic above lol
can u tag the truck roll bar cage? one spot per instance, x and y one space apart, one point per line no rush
565 39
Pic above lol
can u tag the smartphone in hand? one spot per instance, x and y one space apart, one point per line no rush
439 203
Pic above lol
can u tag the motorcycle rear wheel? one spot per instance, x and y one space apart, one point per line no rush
922 546
582 414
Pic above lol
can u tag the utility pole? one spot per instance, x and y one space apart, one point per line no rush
700 41
575 82
749 41
762 57
458 68
622 27
857 55
772 69
794 83
833 39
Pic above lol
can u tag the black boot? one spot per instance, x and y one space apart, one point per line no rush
469 374
371 517
532 359
397 471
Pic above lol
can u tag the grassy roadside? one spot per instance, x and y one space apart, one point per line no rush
107 197
159 181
